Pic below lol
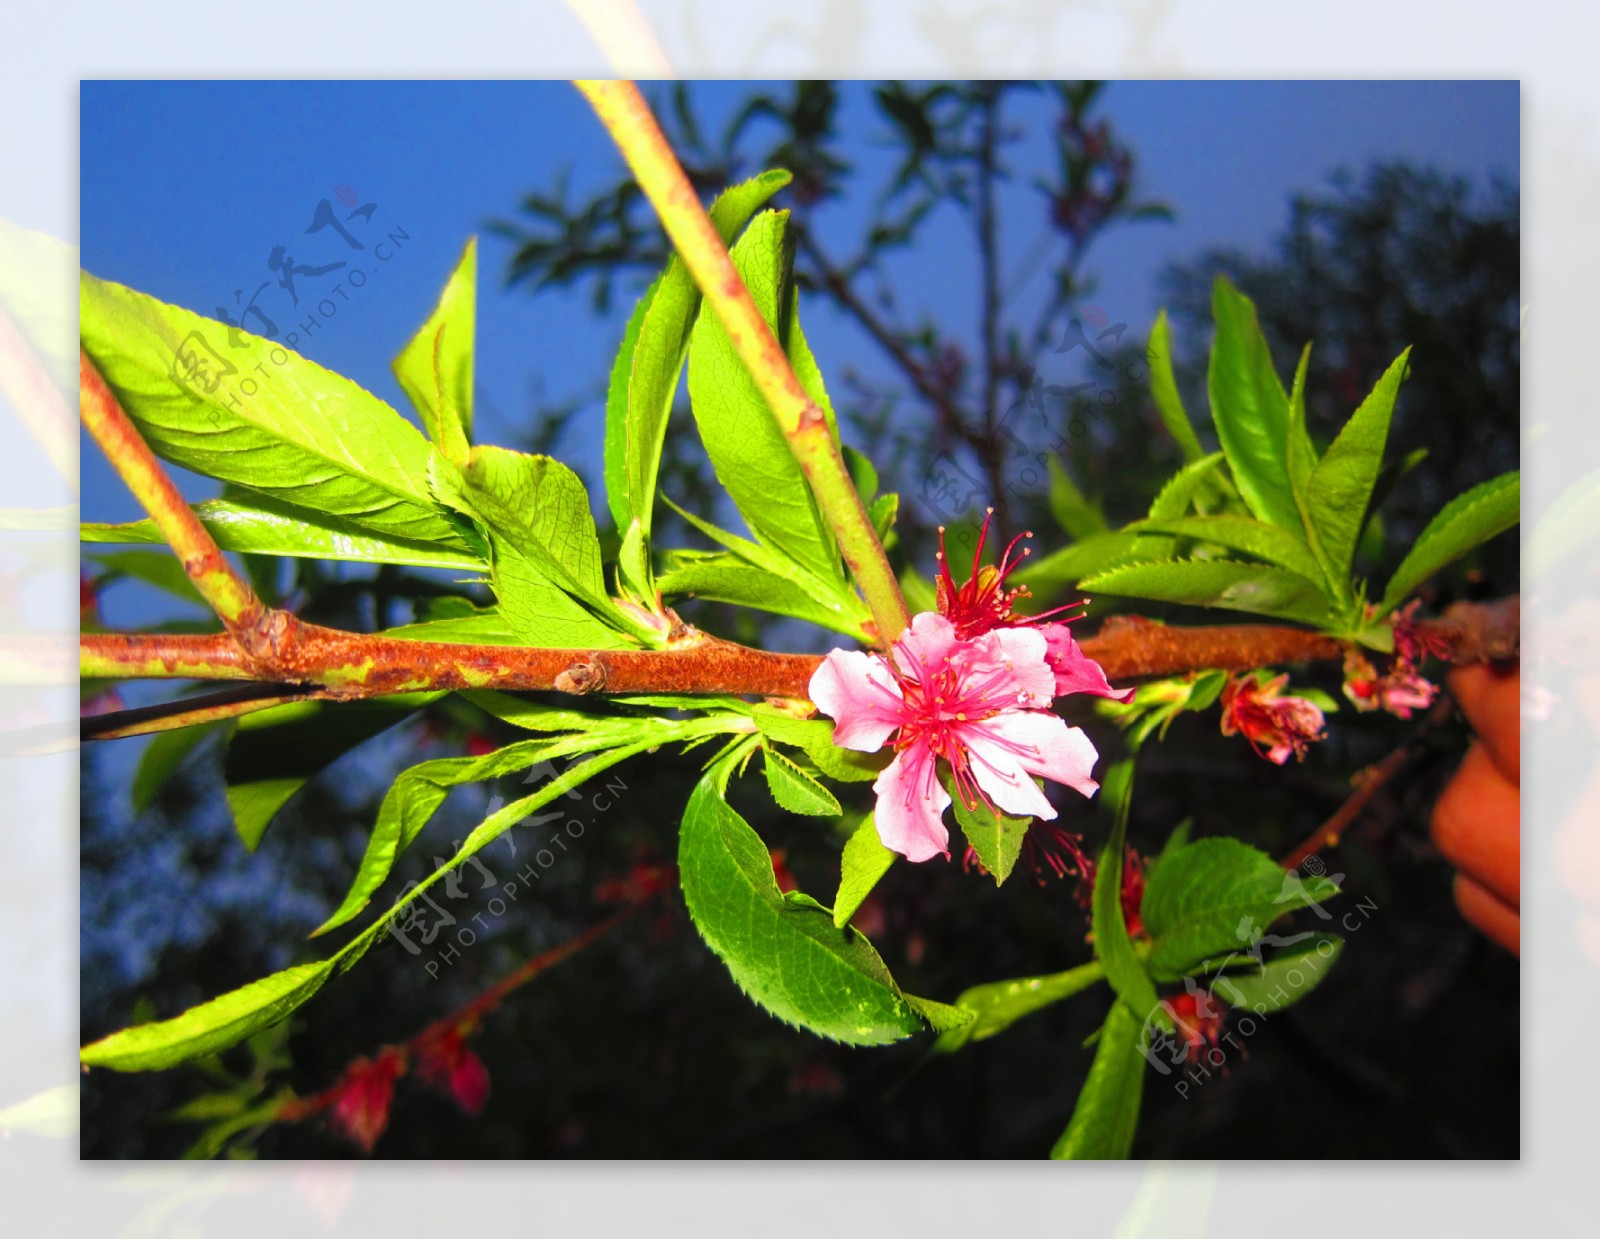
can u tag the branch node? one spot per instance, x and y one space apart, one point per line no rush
585 676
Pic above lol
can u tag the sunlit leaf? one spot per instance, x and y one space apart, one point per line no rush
435 368
1250 409
783 950
865 860
231 405
1464 523
1107 1113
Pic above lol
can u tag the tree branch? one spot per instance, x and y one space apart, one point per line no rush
328 663
628 119
228 593
989 323
1368 782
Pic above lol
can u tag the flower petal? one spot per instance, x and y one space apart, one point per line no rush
1042 744
925 645
859 692
911 805
1024 654
1076 672
997 764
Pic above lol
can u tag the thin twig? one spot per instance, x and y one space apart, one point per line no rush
989 266
631 124
227 703
228 593
1368 783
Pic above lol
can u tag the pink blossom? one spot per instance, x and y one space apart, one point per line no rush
447 1062
984 604
360 1100
1400 690
1275 725
980 705
1403 690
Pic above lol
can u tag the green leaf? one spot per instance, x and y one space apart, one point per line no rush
1066 568
621 412
162 569
1283 980
1341 485
883 512
940 1017
862 472
542 504
726 577
644 379
534 716
1266 542
1472 518
815 737
999 1005
796 791
1164 387
1112 946
162 758
1254 588
435 367
1107 1114
1250 409
212 1026
485 627
864 861
1300 454
1179 493
842 607
994 835
804 363
262 526
1074 512
419 791
1216 896
748 451
783 951
273 753
545 553
230 405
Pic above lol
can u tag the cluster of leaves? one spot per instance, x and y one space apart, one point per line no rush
951 145
316 467
1268 525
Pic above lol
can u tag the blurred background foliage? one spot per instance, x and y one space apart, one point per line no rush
643 1047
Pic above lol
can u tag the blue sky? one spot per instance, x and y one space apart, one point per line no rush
186 188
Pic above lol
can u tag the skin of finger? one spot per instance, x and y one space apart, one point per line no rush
1491 698
1489 914
1477 825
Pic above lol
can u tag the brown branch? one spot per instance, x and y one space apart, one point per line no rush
228 593
1132 648
354 665
1368 782
328 663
